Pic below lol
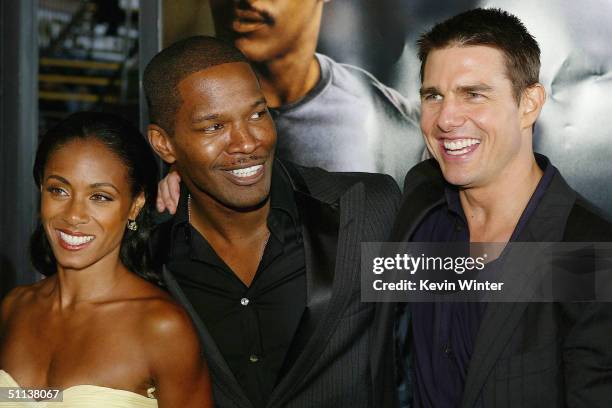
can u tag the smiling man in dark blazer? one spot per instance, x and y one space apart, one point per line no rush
480 98
264 255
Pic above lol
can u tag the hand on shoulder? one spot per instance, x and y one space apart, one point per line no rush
169 192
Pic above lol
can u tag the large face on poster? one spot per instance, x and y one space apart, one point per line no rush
330 115
573 129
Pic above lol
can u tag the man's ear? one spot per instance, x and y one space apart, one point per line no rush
137 205
161 143
532 101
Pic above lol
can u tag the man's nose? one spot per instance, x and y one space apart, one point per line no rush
242 140
451 115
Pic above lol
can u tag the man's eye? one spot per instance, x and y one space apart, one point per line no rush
213 128
100 197
258 115
474 95
433 97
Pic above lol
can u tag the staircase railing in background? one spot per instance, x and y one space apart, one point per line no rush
76 72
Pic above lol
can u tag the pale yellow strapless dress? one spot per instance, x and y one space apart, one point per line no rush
83 396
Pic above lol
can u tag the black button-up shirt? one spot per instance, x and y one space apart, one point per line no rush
444 333
252 326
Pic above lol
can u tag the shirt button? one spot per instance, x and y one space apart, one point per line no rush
253 358
448 350
244 301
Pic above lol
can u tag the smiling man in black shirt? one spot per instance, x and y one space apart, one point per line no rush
266 312
480 98
264 255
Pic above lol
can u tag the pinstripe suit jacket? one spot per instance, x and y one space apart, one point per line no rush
330 363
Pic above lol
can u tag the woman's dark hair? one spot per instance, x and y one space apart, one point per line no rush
125 141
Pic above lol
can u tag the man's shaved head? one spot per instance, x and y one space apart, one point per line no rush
173 64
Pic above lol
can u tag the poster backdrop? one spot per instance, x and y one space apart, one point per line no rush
575 128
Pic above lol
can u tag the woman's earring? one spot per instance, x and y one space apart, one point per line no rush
132 226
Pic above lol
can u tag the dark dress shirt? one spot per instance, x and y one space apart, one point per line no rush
444 333
253 326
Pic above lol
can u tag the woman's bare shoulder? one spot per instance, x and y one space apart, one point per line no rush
167 329
10 300
158 313
173 353
22 297
166 318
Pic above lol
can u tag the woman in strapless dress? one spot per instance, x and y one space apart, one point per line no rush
96 327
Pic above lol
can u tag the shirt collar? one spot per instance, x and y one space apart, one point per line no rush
282 202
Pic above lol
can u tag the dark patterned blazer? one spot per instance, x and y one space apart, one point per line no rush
330 363
527 354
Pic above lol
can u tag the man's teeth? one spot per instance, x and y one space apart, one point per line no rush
457 152
459 146
75 240
247 171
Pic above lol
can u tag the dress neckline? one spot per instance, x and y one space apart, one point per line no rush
72 388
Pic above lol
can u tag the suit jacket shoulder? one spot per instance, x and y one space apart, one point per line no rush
329 186
423 189
587 223
428 171
382 195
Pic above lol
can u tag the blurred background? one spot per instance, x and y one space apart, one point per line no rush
61 56
88 58
57 57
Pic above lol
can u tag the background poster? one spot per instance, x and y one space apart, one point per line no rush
576 122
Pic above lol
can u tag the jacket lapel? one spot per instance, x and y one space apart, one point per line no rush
331 244
425 187
331 235
500 319
225 378
320 226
